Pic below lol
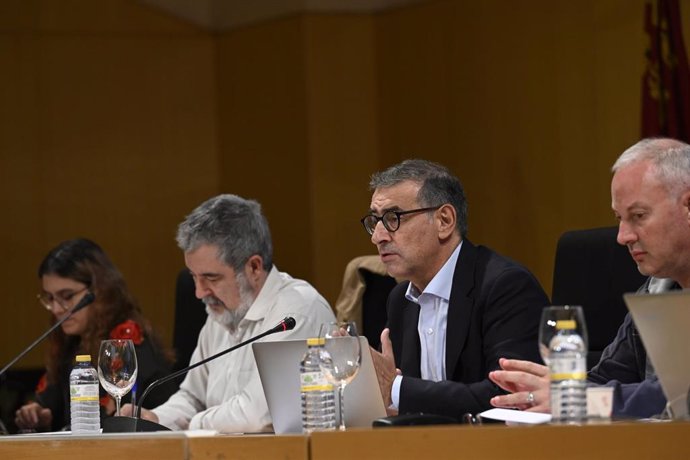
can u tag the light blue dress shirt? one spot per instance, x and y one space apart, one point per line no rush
433 315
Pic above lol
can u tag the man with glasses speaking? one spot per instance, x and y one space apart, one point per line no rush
463 307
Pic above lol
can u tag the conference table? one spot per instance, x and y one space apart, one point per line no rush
651 440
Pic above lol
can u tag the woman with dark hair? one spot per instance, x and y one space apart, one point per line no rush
67 273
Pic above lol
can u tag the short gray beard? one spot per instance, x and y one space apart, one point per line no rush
230 319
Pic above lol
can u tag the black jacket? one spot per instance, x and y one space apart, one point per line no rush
494 311
624 365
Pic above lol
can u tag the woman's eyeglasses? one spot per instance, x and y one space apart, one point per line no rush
65 299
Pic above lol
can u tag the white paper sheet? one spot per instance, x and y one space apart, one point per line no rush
516 416
200 433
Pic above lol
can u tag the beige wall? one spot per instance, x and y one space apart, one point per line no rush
116 120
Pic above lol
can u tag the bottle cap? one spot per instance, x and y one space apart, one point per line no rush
83 358
565 324
316 341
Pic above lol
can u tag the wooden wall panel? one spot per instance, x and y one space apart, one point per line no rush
108 134
262 126
343 140
117 120
298 132
529 103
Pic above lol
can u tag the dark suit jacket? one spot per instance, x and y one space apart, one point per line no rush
494 311
625 367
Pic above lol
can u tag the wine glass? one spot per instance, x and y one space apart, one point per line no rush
340 358
117 368
547 327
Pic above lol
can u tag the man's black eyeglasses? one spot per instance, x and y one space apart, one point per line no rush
390 219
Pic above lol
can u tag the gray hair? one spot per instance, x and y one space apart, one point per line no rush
670 158
233 224
438 186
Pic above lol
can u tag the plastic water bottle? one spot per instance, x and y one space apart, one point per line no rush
83 395
318 398
568 372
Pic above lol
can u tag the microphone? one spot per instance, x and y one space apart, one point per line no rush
287 324
127 424
88 299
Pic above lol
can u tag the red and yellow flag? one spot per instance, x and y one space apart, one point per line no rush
666 81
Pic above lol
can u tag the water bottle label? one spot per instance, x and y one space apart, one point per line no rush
568 369
83 392
314 381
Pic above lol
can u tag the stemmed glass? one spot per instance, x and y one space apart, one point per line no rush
341 357
117 368
547 326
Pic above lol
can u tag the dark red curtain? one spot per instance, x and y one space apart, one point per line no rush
666 81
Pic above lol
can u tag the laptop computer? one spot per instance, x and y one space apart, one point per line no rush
278 364
663 321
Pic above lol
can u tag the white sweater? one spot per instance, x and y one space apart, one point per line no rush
226 394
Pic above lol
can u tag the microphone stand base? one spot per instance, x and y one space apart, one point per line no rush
130 425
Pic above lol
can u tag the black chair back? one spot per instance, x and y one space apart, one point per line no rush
374 298
594 271
190 316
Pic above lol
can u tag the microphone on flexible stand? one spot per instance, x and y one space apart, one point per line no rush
134 423
88 299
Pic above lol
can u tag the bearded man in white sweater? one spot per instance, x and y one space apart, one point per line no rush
228 251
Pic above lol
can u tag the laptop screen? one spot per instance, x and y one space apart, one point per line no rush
663 321
278 364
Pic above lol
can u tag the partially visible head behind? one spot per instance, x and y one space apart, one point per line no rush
438 186
670 159
234 225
